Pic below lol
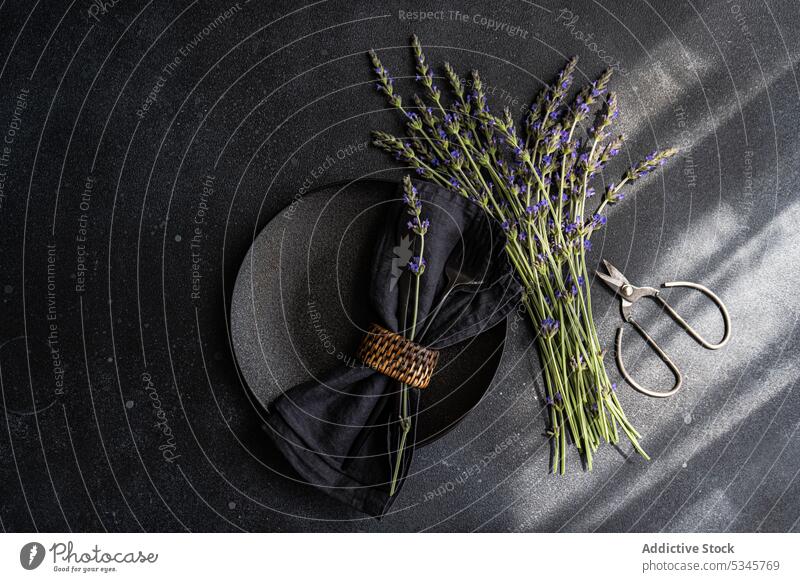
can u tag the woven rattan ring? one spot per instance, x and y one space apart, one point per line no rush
393 355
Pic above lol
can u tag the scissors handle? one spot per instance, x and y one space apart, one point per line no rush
689 329
661 354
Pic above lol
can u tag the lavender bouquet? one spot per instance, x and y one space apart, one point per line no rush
537 183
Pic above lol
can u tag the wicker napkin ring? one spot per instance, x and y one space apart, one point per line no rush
393 355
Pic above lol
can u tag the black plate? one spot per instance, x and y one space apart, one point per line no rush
300 306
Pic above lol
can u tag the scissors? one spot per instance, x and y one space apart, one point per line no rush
629 294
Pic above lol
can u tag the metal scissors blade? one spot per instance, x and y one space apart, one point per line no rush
615 279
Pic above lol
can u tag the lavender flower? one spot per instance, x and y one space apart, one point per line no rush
549 327
650 163
597 221
418 226
417 265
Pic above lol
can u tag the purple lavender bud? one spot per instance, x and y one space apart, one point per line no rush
417 264
549 326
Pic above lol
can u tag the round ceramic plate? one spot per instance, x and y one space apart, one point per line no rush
300 306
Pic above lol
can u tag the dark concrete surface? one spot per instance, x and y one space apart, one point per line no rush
122 406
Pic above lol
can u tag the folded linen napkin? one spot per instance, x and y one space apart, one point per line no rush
341 434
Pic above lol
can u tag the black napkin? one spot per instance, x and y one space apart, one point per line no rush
342 434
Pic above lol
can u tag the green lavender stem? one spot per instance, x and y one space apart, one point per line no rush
405 417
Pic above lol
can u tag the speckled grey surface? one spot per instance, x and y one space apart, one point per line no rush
151 427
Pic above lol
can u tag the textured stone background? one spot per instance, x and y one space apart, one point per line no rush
258 103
